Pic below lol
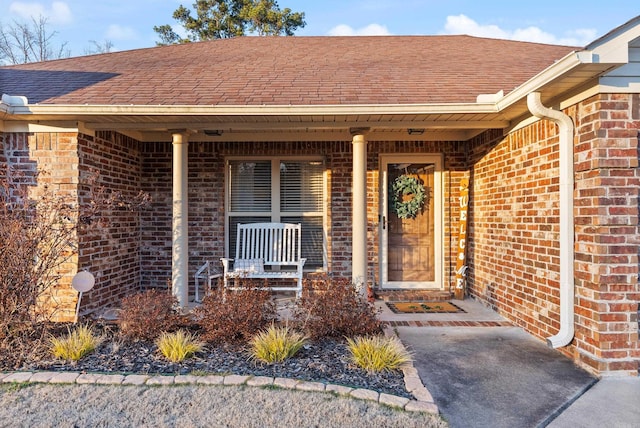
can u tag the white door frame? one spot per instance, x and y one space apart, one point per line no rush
385 160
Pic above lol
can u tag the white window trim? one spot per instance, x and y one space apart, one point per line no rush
275 212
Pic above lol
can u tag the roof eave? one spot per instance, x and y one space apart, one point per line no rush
79 110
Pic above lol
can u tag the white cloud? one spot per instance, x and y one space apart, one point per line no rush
369 30
118 32
58 13
462 24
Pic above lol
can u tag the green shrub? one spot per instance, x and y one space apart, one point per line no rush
143 316
276 344
233 315
332 307
178 346
378 353
76 344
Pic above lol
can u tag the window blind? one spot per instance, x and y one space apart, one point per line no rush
250 186
301 186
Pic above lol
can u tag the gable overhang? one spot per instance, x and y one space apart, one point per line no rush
441 122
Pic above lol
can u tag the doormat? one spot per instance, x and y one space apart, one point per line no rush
423 307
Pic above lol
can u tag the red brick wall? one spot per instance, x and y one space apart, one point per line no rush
111 251
3 157
607 233
514 218
513 254
50 160
155 222
206 210
206 199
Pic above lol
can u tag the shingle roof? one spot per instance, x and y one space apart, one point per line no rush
288 71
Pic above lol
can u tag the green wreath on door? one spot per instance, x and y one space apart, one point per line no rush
406 185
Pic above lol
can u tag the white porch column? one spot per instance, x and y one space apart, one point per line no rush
359 210
180 229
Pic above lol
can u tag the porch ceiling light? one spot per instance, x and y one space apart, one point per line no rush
415 131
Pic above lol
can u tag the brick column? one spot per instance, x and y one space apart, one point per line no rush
607 234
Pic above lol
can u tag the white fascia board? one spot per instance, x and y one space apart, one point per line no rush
560 67
298 110
22 126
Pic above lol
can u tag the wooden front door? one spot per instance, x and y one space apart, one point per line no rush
411 232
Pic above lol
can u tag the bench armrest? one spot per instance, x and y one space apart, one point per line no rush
225 264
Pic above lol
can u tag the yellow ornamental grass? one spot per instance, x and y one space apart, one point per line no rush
378 353
276 344
178 346
76 344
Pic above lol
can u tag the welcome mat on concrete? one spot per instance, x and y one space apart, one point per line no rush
423 307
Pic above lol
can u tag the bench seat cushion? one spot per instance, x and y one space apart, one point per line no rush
248 266
264 274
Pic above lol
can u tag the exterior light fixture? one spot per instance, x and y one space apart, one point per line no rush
213 132
415 131
82 281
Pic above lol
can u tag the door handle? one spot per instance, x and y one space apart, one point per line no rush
383 220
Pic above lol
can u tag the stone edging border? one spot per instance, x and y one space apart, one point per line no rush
423 401
417 405
412 380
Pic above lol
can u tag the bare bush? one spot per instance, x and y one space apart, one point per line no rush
143 316
332 307
38 244
232 315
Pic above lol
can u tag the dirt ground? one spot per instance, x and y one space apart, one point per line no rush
42 405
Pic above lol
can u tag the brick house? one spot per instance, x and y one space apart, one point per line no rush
318 129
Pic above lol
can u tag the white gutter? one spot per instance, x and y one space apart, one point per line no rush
567 292
249 110
559 68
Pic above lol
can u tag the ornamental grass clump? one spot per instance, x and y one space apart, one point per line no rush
378 353
178 346
76 344
276 344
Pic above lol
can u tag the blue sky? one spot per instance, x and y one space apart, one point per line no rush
128 24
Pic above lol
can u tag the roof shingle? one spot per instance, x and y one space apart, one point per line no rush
288 71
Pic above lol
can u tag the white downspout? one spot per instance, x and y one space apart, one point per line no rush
565 128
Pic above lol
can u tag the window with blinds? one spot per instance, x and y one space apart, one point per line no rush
279 190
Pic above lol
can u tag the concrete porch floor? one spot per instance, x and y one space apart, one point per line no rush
473 311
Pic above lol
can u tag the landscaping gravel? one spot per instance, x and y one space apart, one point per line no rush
326 361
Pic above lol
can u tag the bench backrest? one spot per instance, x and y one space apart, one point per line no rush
274 243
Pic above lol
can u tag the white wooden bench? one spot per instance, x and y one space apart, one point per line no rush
267 251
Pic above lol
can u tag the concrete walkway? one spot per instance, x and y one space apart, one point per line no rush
483 372
612 402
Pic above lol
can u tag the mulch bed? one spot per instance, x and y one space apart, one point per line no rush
326 360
